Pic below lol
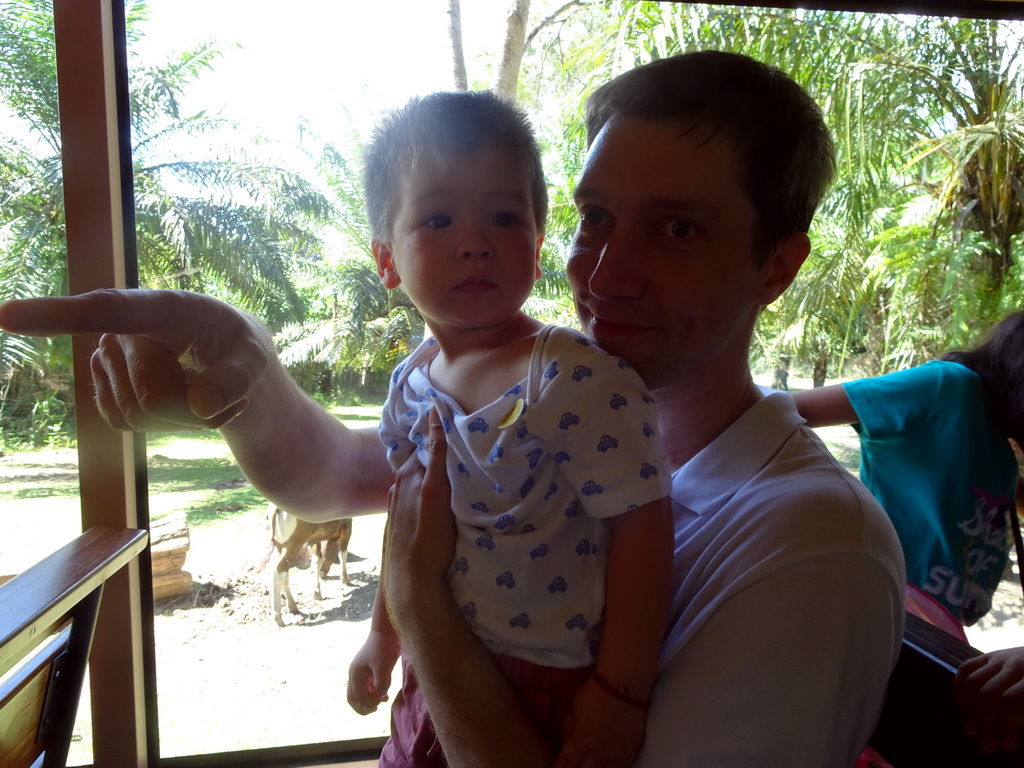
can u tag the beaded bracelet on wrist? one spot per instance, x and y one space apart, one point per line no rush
621 693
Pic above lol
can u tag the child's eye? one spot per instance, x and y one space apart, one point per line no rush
438 221
505 219
678 229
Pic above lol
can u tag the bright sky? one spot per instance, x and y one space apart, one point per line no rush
315 58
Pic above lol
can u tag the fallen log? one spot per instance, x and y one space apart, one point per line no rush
169 537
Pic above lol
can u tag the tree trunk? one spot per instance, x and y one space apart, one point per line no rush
458 56
820 369
780 379
512 53
169 544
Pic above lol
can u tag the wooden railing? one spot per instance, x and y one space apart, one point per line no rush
47 618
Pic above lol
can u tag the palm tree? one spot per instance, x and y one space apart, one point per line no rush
975 71
914 247
223 222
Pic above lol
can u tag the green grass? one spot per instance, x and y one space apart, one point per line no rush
196 472
356 415
192 472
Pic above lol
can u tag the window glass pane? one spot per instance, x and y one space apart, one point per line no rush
246 127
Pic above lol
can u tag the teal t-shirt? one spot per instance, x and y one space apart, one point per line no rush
933 455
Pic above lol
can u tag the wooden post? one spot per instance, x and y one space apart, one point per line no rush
95 238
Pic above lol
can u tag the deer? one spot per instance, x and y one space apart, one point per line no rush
289 535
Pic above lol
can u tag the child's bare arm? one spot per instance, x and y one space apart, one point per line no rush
638 595
825 406
369 673
609 712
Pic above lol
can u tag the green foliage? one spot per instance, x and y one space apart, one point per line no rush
914 250
215 485
43 423
36 409
223 220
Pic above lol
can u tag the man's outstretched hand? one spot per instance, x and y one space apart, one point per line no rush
166 360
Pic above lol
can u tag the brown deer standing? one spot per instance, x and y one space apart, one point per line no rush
289 535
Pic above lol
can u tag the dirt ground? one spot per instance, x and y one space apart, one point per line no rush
229 678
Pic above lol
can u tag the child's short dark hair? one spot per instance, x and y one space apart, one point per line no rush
445 123
785 149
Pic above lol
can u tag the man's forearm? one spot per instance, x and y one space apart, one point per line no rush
302 458
476 715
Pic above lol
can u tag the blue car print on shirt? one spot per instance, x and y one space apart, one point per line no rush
648 399
552 370
552 490
479 506
571 510
528 528
618 401
505 521
577 622
514 391
527 487
590 488
496 453
463 469
606 443
567 420
533 457
506 580
469 610
478 425
648 430
521 430
485 542
648 470
624 365
461 565
522 620
539 551
446 425
584 548
418 439
561 456
558 585
392 445
431 392
580 372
